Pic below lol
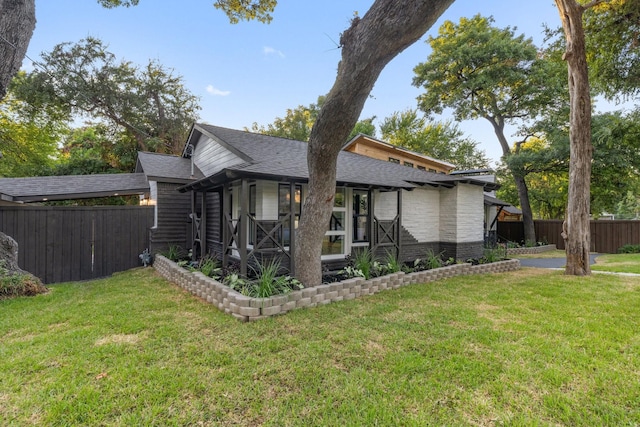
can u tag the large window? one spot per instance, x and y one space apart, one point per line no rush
334 239
360 216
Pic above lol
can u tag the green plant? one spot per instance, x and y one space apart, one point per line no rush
391 263
209 266
491 255
363 261
629 249
429 262
235 282
351 272
175 253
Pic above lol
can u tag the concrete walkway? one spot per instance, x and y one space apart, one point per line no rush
550 262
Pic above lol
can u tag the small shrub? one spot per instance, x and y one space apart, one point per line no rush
492 255
391 263
16 284
429 262
210 266
363 261
629 249
175 253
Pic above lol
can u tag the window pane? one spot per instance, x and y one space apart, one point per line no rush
339 199
333 245
337 221
360 202
361 229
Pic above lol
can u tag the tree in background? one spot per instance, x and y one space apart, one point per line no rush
149 105
484 72
297 123
28 137
545 162
613 47
440 140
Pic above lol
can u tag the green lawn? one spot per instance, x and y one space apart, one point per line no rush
527 348
621 263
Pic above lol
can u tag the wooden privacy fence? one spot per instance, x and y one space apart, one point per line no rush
606 236
60 244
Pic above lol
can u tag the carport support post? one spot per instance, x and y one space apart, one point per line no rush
399 236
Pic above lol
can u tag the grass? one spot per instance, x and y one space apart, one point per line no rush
532 347
621 263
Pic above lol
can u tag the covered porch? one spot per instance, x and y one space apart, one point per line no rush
247 221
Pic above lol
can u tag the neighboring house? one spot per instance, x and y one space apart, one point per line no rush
241 194
381 150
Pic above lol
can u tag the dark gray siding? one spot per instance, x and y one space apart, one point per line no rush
174 224
214 223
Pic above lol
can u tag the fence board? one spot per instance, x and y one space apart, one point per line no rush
60 244
606 236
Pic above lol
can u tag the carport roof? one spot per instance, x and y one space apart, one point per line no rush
47 188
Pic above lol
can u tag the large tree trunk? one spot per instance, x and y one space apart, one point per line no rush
525 206
368 45
17 22
576 228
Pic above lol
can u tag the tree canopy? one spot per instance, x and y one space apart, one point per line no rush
480 71
440 140
149 104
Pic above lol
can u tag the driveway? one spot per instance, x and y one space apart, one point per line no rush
550 262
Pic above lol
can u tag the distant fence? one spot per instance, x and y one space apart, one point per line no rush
606 236
60 244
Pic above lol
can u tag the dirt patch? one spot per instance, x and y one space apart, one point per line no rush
119 339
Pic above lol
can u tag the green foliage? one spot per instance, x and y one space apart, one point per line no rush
247 10
362 261
109 4
210 266
629 249
391 263
440 140
545 163
28 137
297 123
429 262
493 255
613 48
148 107
175 253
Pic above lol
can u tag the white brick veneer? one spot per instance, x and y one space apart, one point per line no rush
462 214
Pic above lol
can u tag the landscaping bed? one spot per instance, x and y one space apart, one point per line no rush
530 250
247 308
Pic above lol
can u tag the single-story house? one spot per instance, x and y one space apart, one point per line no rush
239 195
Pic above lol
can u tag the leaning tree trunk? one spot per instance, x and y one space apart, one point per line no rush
17 22
521 184
525 206
576 227
368 45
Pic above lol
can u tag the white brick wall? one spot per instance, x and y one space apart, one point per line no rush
462 214
386 205
421 214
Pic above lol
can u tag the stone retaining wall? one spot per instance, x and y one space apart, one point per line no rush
248 309
531 250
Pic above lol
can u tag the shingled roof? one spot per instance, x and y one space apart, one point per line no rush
280 158
44 188
166 168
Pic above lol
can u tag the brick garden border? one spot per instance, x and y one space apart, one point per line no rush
531 250
249 309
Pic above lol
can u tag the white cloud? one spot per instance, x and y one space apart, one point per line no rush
217 92
271 51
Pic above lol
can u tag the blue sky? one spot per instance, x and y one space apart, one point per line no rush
252 72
